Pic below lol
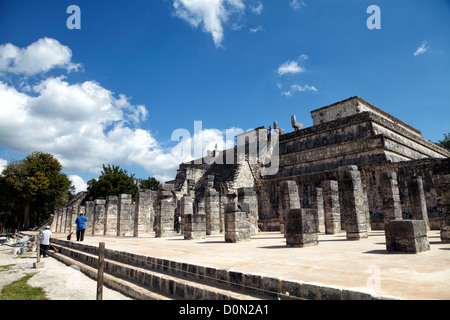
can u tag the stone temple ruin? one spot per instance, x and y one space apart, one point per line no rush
356 169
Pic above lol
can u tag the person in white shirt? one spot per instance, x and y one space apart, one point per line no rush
45 240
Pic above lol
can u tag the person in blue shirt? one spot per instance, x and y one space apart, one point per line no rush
81 226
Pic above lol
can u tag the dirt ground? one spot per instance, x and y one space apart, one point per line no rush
59 281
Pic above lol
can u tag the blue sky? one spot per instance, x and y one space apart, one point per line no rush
114 91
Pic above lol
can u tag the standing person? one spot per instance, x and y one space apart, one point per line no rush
45 241
178 223
81 226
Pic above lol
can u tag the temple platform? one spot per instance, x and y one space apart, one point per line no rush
360 265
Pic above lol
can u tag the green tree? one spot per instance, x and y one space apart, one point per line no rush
445 143
113 181
150 184
36 186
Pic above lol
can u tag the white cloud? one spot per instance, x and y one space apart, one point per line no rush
210 14
254 30
290 67
421 49
78 182
299 88
3 164
257 9
85 125
297 4
40 56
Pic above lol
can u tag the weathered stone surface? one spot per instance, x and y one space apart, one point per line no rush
353 202
248 196
408 236
165 212
144 216
194 226
125 217
302 228
212 211
331 207
89 207
237 226
99 217
390 194
111 215
186 207
289 200
441 180
417 202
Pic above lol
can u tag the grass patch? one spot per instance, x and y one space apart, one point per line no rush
20 290
7 267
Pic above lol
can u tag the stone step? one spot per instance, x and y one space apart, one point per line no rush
126 287
160 282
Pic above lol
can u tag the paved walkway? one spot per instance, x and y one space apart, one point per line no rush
59 281
362 265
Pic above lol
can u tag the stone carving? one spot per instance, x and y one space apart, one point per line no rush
275 127
297 126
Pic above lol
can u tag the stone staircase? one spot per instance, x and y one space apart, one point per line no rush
148 278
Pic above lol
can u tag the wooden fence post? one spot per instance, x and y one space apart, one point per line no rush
101 266
38 263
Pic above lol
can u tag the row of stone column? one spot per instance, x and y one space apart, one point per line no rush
240 218
115 216
301 226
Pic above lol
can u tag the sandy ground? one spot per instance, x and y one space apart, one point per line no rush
59 281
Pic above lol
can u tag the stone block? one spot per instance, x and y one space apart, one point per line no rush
272 286
253 283
408 236
194 226
329 293
291 288
302 228
309 291
237 227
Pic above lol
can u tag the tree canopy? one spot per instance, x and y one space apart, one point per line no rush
445 143
150 184
32 188
113 181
